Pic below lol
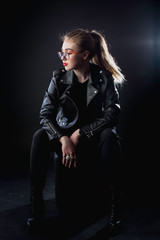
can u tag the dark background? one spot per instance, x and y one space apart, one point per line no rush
29 44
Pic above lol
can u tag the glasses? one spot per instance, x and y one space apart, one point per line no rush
66 55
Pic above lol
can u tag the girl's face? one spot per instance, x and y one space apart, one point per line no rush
74 58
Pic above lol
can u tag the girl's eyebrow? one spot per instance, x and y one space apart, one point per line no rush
68 49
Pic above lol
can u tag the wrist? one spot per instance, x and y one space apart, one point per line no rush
78 132
63 139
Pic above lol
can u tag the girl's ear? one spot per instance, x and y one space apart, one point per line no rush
86 55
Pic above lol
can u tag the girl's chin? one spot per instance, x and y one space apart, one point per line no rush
67 68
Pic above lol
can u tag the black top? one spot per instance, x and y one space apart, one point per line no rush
80 98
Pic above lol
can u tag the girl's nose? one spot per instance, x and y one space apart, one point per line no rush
63 57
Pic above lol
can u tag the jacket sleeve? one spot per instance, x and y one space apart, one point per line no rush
49 110
111 111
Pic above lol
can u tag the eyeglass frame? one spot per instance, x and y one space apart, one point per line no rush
63 54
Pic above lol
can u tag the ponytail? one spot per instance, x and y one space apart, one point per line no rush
104 59
96 44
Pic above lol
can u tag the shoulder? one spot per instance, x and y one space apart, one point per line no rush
106 77
58 73
99 70
55 78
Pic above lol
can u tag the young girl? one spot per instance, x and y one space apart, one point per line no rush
80 108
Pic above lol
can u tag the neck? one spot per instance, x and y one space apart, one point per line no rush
82 73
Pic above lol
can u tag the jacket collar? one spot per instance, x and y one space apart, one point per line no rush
94 78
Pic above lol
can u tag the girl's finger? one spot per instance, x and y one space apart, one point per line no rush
63 159
70 163
66 163
71 160
75 161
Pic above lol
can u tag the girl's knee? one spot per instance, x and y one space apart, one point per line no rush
108 133
39 135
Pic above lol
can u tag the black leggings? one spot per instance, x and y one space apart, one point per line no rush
101 152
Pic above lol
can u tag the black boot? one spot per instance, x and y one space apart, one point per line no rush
115 220
36 212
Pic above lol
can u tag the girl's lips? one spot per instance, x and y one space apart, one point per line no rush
65 64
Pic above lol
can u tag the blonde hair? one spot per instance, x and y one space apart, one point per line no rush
96 44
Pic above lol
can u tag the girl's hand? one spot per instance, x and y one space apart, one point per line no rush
75 137
68 149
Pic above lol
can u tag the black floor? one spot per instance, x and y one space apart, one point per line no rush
141 220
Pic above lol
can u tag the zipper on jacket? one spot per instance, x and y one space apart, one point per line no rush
91 132
52 128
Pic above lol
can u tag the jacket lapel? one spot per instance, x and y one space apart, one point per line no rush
68 81
91 91
91 87
92 84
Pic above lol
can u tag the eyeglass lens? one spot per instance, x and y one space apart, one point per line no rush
63 54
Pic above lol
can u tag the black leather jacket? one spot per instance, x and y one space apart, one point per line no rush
59 113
